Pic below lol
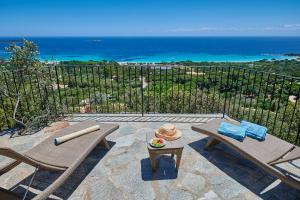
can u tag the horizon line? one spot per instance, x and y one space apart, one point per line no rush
153 36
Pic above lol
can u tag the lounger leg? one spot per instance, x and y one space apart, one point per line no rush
211 142
9 166
104 144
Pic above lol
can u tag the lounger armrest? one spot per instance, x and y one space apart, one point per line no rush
6 168
294 154
10 153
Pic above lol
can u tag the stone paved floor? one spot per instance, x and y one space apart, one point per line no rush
124 171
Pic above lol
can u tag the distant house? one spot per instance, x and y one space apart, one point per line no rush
114 78
293 98
60 86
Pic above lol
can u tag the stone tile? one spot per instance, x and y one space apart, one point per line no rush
180 194
193 183
124 171
129 181
125 141
210 195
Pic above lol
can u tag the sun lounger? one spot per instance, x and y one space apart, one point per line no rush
266 154
65 157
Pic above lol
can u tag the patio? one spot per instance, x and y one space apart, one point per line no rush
124 171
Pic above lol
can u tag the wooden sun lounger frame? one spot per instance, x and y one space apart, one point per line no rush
19 158
292 154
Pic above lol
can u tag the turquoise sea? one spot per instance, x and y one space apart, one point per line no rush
161 49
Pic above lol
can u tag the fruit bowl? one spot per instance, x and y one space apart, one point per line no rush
157 142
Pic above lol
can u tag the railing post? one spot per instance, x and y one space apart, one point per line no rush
298 134
142 90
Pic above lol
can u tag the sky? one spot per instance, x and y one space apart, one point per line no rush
149 18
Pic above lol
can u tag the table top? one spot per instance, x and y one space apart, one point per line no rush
175 144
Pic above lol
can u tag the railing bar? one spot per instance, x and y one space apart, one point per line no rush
24 90
154 85
221 82
215 85
31 89
105 86
190 97
142 88
100 89
209 83
172 68
77 90
160 89
184 87
202 89
245 95
8 90
17 91
112 88
259 90
39 85
94 88
53 95
251 94
82 86
58 87
293 114
286 105
265 95
297 135
196 89
130 87
226 91
124 89
178 86
88 84
148 89
166 89
136 89
273 95
4 110
241 91
47 98
235 89
231 89
278 104
63 80
118 88
71 91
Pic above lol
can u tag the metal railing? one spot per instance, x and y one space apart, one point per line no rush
241 93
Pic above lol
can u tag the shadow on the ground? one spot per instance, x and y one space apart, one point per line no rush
244 171
44 178
165 169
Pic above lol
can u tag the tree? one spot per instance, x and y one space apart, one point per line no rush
27 87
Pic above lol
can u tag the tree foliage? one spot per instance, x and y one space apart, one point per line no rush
24 84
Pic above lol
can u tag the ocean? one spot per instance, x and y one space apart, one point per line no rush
161 49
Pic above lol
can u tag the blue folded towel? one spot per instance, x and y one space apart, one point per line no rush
254 131
233 131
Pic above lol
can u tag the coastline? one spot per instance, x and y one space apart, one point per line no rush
174 58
